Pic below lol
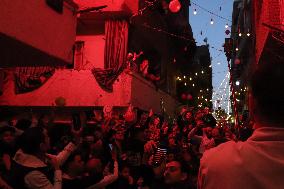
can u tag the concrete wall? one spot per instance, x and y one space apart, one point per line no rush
93 50
79 88
35 23
145 96
112 5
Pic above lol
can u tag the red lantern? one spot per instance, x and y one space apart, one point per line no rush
237 61
189 97
174 6
227 32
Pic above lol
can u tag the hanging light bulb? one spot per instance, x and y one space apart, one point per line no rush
190 79
237 49
248 34
226 26
239 31
184 84
211 22
194 12
202 72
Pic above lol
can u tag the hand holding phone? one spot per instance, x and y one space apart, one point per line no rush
110 146
159 156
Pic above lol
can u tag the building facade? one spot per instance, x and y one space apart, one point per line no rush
81 71
196 80
256 38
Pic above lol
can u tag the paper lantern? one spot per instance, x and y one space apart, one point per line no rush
174 6
189 97
237 61
227 32
183 96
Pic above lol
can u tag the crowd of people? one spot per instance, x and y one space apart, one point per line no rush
144 150
108 151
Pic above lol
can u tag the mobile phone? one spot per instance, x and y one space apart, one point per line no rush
76 121
110 146
159 156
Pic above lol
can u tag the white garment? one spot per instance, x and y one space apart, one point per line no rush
257 163
204 141
36 179
206 144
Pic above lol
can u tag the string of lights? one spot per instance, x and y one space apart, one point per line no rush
210 12
217 55
150 4
168 33
223 93
141 11
221 84
185 78
218 95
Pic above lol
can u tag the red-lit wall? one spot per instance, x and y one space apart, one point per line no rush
36 24
80 88
270 12
93 50
112 5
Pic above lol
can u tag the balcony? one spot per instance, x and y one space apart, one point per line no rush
80 89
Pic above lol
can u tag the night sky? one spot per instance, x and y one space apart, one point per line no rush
215 34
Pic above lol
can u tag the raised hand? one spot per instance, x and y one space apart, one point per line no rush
150 147
52 159
151 113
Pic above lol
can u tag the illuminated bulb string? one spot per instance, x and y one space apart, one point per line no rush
229 102
221 100
167 33
227 75
210 12
215 96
